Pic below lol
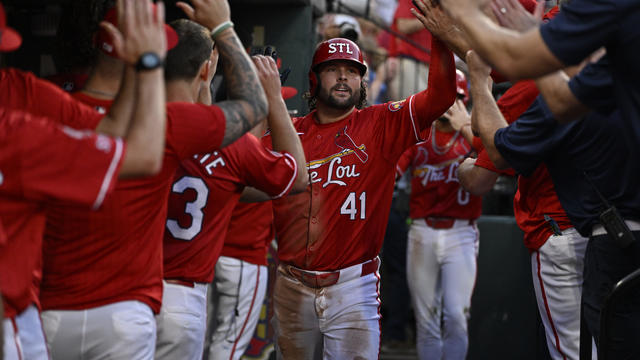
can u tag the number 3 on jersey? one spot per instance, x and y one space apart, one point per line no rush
193 208
349 206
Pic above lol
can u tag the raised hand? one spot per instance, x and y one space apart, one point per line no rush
512 15
268 75
458 115
208 13
433 18
478 69
140 30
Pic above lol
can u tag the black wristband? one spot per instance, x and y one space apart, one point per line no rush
149 61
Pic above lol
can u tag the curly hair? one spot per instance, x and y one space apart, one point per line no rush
312 101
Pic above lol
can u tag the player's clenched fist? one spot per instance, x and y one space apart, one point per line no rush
208 13
268 74
140 30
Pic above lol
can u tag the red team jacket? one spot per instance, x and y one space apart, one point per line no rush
115 254
341 219
250 232
205 191
435 188
72 166
536 195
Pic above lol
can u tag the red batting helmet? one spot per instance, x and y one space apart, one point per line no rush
334 49
9 38
461 86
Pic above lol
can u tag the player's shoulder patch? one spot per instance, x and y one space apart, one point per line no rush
396 105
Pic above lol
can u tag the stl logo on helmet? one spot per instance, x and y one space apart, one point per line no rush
332 48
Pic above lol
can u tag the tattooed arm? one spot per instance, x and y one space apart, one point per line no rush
247 104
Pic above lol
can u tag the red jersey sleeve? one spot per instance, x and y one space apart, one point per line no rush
269 171
517 99
429 104
405 122
194 128
405 161
41 160
477 144
484 161
24 91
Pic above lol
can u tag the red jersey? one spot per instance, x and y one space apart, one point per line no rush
204 193
536 195
119 247
250 232
341 219
421 37
41 162
24 91
435 188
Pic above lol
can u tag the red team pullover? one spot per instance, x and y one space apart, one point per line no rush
204 193
115 254
250 232
41 162
435 189
536 195
341 219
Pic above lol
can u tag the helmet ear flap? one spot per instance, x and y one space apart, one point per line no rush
313 83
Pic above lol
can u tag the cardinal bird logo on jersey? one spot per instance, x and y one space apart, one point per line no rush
344 141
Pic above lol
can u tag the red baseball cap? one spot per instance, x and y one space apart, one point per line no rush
288 92
9 38
103 39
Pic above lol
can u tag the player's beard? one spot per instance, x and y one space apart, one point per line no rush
328 99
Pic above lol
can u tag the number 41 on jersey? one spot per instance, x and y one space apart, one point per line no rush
349 206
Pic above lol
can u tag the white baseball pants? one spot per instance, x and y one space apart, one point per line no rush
441 274
241 287
182 322
31 334
24 337
12 347
557 269
340 321
122 330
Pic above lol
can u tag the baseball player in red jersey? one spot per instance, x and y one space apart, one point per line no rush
31 177
206 188
241 273
326 296
557 250
443 242
241 279
120 246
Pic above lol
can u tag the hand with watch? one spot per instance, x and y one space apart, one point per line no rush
139 40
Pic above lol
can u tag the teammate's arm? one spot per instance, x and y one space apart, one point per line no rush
247 104
460 120
283 135
441 26
570 97
486 117
475 179
516 55
440 95
142 32
555 90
